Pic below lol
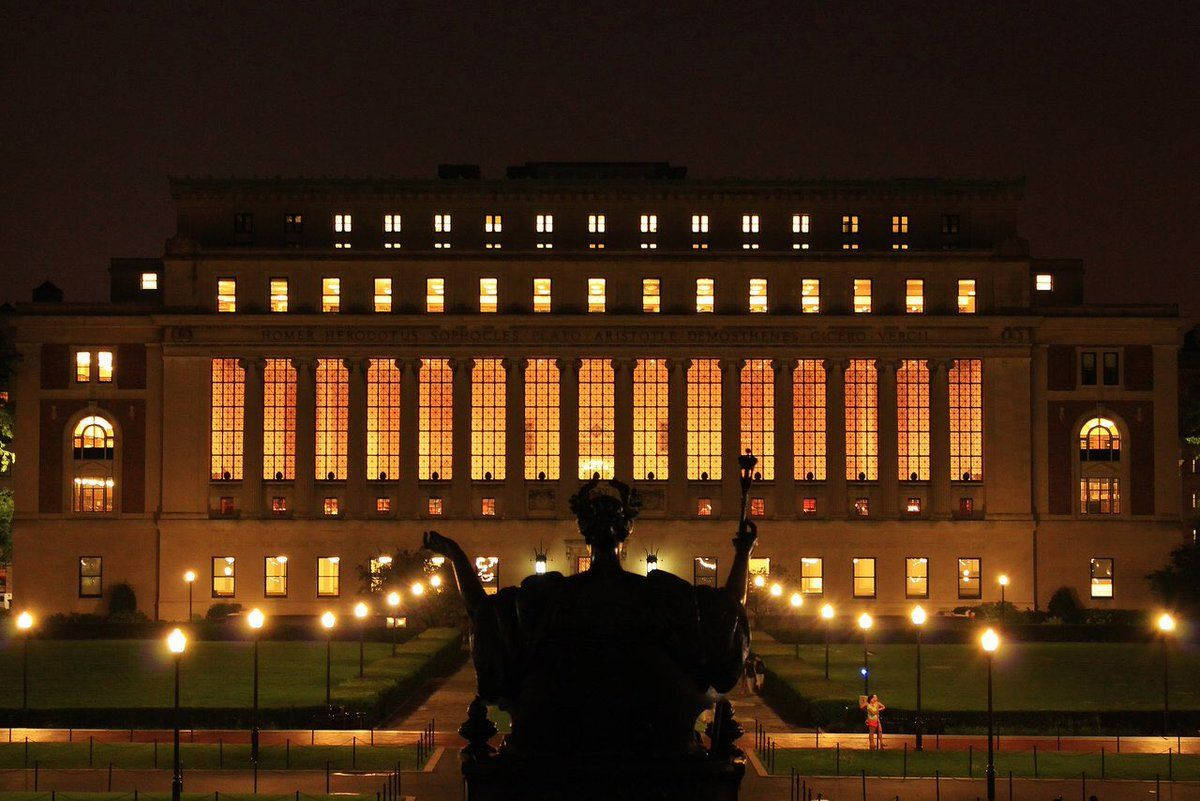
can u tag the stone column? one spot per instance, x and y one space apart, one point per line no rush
785 493
731 436
408 491
460 482
568 432
306 436
939 439
356 439
514 438
252 438
835 437
889 445
623 418
677 436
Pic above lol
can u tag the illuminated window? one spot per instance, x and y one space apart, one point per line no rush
966 420
1099 441
392 223
758 507
650 419
104 366
899 223
966 296
704 420
704 507
383 506
862 421
331 295
1100 496
149 281
435 295
862 295
596 440
487 295
969 585
541 294
293 228
279 295
758 415
223 576
812 575
758 294
487 507
83 366
651 297
699 223
276 577
343 223
596 299
914 296
912 506
704 571
435 420
542 446
279 420
383 420
330 507
332 408
228 419
328 575
442 223
93 459
912 419
649 223
705 288
864 576
435 507
493 224
1044 282
488 570
810 295
808 420
760 566
545 227
750 224
916 577
487 420
808 506
383 295
91 573
849 223
966 506
596 226
226 295
1101 578
800 223
225 506
862 507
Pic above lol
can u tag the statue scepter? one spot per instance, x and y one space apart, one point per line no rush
737 585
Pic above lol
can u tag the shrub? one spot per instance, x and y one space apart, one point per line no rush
122 600
219 611
1065 605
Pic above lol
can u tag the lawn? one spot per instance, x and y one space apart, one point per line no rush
111 674
1074 677
131 756
1050 765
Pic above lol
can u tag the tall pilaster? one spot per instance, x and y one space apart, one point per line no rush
939 438
785 494
623 418
252 438
408 491
460 483
677 435
568 397
731 436
835 437
306 436
356 438
889 444
514 437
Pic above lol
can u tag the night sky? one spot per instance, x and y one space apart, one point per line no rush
1095 104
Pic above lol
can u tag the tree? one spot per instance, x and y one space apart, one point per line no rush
9 359
436 606
1178 584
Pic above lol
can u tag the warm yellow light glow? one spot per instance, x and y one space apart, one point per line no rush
827 611
256 618
542 288
189 576
704 420
596 296
331 295
279 420
393 599
861 390
227 414
810 295
435 413
597 438
966 420
865 621
760 581
758 295
1166 623
757 415
651 411
1003 579
25 621
990 640
797 600
176 641
435 295
360 610
542 444
417 588
912 421
776 589
705 290
862 295
328 620
332 420
918 615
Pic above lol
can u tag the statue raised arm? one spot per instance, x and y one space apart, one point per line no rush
737 584
469 586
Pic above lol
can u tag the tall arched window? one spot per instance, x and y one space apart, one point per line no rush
1101 472
93 458
1099 441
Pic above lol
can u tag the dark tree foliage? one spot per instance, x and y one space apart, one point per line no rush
1065 605
9 361
1178 584
436 606
122 600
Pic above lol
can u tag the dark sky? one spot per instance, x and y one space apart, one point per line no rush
1094 103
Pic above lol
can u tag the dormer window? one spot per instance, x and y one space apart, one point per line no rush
343 225
750 229
391 230
1044 282
149 282
801 224
649 229
596 226
545 231
850 231
699 232
441 228
899 232
493 225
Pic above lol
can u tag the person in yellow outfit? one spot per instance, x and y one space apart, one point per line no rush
873 707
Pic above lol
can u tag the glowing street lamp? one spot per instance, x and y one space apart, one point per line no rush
393 602
990 641
176 644
417 589
865 622
827 615
797 600
1166 627
328 621
255 621
776 590
360 613
189 578
24 624
1003 581
918 618
760 581
435 580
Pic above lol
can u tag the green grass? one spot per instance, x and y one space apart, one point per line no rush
1050 765
200 756
138 673
1080 677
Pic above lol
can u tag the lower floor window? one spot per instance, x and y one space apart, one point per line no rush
916 577
864 577
488 570
1100 496
704 571
276 577
969 584
91 584
327 576
1102 577
93 494
812 579
223 576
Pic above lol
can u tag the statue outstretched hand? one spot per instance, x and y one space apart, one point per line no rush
469 586
746 537
437 544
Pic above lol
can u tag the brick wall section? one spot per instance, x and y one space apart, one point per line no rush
56 367
130 418
1060 368
131 366
1063 449
1139 367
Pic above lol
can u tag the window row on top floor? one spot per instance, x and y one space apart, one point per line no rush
440 228
541 297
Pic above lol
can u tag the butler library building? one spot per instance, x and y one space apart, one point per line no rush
317 370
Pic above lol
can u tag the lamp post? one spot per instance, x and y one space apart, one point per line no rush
360 613
24 624
189 578
865 622
176 643
328 621
918 618
1003 581
990 641
255 620
827 615
1166 627
393 602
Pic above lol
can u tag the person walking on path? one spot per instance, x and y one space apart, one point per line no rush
760 674
873 707
748 673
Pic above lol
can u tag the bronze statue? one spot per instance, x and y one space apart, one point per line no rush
606 666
